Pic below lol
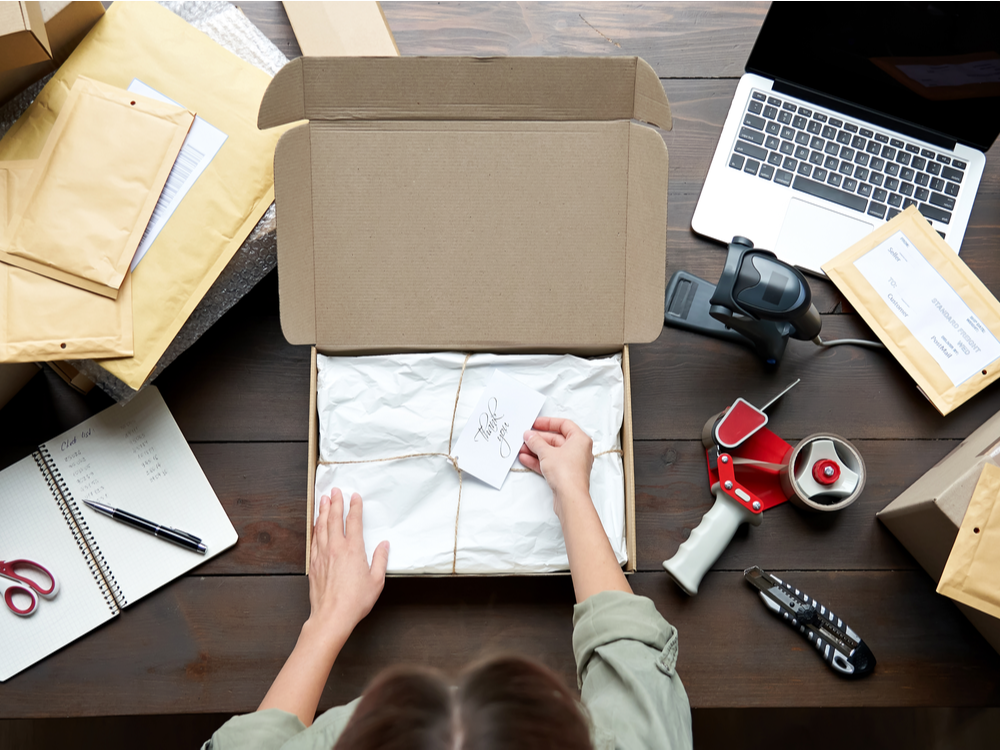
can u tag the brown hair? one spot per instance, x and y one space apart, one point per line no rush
506 702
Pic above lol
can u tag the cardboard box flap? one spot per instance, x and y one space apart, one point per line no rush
23 40
442 88
486 235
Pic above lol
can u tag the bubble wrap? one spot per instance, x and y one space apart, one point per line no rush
257 257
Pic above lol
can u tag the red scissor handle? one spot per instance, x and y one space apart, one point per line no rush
10 569
13 591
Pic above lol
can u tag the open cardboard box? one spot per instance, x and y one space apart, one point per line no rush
926 517
471 204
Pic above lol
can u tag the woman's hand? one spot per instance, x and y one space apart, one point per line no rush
342 590
562 453
342 587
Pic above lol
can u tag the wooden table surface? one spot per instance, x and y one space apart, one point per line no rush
213 640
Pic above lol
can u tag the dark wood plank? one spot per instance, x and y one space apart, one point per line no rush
926 650
242 381
683 378
213 644
213 641
271 19
262 487
681 39
45 407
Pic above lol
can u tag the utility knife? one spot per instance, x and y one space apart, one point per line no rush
836 642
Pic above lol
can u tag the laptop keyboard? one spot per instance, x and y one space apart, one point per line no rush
848 163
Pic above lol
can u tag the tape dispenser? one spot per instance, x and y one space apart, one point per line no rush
751 470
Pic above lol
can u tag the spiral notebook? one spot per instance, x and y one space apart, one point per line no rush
132 457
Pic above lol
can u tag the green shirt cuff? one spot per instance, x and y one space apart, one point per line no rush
612 616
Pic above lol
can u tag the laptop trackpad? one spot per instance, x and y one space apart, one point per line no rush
810 235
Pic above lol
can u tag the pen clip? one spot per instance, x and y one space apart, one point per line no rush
192 537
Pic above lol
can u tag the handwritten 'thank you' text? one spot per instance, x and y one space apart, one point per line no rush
490 425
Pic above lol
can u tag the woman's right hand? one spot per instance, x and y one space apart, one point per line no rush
562 453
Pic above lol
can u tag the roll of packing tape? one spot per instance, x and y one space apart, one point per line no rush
824 472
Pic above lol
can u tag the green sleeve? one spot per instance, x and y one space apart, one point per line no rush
626 656
261 730
273 729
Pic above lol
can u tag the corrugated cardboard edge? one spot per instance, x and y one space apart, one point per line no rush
25 51
66 23
30 36
293 215
36 23
926 516
650 104
628 467
646 252
348 27
284 99
313 458
72 377
409 88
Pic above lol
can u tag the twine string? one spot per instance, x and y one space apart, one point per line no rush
451 459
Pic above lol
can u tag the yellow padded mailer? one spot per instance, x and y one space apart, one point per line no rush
95 185
43 320
148 42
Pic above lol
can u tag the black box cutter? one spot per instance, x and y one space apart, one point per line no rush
839 646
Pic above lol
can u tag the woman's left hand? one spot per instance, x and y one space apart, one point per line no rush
342 586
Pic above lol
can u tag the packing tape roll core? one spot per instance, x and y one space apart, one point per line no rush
839 474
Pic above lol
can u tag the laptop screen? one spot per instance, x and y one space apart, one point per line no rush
935 66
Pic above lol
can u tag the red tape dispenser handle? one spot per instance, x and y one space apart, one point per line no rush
734 505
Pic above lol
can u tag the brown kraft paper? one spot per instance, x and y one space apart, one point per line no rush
972 574
930 377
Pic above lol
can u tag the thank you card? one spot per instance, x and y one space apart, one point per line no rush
489 444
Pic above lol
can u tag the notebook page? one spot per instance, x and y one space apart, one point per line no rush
135 458
32 527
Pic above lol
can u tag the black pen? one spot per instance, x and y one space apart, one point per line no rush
182 538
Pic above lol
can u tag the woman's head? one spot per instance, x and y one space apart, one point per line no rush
506 702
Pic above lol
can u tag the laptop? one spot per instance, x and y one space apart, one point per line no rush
847 114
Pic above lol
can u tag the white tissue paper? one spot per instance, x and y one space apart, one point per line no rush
395 406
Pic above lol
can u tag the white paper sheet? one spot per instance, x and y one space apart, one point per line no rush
200 147
488 444
386 407
929 308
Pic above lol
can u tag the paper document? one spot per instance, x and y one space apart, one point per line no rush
493 435
200 147
929 308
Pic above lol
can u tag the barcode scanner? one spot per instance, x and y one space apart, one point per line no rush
758 300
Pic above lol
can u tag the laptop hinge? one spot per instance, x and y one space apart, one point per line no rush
876 118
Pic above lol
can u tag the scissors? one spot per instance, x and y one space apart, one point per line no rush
30 588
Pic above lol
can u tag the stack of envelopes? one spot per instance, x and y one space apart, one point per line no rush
73 218
72 215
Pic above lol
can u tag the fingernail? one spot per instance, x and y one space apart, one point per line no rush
527 435
325 500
